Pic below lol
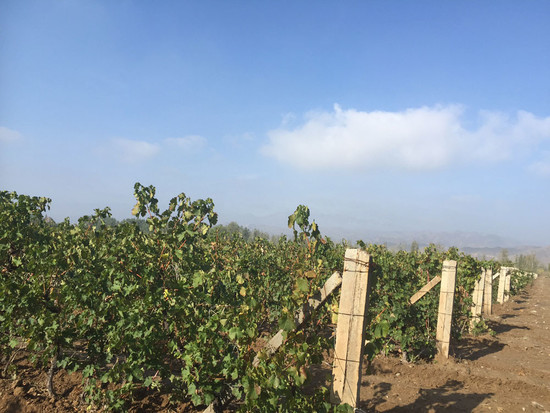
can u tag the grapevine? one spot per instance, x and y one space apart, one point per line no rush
179 308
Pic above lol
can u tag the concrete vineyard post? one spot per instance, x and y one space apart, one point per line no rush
504 273
507 284
446 299
488 294
350 331
478 299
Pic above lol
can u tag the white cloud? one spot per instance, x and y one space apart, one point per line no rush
8 135
418 138
188 143
131 151
500 137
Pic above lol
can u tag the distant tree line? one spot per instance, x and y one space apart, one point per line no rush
526 262
231 229
522 262
249 235
108 221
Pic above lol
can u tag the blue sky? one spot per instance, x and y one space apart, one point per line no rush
381 116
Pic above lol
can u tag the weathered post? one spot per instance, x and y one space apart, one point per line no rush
445 315
488 294
501 284
478 299
350 330
507 284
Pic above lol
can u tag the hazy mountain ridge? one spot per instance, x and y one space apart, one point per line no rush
448 239
542 253
487 246
478 245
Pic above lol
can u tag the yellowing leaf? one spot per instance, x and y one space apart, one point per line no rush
310 274
243 292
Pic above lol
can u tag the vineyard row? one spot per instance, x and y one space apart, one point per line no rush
189 311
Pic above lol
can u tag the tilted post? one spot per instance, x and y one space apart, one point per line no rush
488 294
424 290
446 299
302 315
478 299
350 330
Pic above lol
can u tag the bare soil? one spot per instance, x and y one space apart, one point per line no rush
505 372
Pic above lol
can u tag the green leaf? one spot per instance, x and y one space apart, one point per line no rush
148 381
302 285
88 371
198 279
236 392
286 322
235 333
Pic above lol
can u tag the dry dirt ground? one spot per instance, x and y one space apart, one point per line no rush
507 372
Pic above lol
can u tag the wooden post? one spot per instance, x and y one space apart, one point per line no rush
488 294
504 271
478 299
350 331
446 299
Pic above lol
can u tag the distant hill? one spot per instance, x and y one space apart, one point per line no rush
542 253
473 243
448 239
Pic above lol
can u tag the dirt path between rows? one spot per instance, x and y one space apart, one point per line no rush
507 372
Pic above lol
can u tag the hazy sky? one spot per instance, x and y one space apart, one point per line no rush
378 115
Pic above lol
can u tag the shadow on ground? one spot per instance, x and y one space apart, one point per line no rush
507 316
500 328
441 399
474 348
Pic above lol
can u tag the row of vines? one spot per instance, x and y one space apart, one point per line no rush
183 309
